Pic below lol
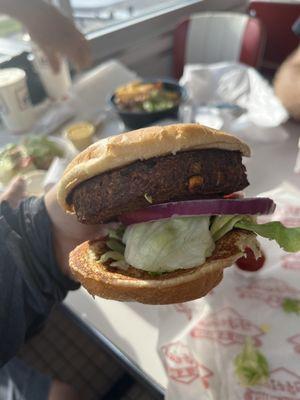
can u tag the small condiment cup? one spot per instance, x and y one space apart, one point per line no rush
80 134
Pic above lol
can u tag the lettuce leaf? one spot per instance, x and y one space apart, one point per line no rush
251 366
167 245
287 238
223 224
291 306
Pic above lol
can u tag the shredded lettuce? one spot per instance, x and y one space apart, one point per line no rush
251 366
291 306
167 245
115 254
223 224
287 238
185 242
111 255
115 245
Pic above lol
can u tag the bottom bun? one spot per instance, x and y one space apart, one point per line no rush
169 288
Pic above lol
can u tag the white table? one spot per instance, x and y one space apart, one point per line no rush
133 328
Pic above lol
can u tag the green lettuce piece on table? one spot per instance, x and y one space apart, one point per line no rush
291 306
251 366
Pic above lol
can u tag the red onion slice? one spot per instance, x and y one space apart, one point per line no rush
249 206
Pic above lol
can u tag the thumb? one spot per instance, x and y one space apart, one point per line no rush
15 191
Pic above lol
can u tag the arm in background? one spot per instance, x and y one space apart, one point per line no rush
55 34
287 79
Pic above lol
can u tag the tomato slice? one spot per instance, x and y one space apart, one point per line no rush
235 195
249 263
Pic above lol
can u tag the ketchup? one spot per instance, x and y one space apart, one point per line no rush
249 263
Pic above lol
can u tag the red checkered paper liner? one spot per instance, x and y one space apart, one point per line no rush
199 340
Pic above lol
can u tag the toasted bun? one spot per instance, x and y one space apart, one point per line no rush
169 288
142 144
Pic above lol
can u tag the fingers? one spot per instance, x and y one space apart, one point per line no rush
53 59
66 225
78 51
83 57
15 192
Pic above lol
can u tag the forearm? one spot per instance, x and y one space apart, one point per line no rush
31 281
62 243
287 84
55 34
23 10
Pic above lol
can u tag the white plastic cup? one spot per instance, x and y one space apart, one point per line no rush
57 85
15 106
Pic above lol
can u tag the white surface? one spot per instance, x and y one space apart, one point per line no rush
130 327
215 37
273 163
209 117
133 328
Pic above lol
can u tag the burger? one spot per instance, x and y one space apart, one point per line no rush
174 220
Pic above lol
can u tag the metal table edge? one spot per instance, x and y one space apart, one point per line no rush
156 389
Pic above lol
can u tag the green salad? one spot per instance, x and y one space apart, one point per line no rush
34 152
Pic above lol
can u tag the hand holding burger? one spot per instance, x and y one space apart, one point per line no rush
167 188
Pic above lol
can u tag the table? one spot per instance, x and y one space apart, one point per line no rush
133 328
129 330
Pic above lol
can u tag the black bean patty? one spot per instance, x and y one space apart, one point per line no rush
193 174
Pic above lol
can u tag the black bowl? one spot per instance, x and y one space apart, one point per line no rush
139 119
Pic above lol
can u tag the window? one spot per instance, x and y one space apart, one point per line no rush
9 27
11 38
92 15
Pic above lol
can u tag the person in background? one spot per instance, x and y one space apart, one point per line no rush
34 245
55 34
287 80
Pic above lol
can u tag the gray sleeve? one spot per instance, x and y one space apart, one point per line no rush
30 279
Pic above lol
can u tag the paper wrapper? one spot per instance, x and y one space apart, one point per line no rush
237 84
199 340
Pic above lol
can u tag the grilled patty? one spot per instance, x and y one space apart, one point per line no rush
186 175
